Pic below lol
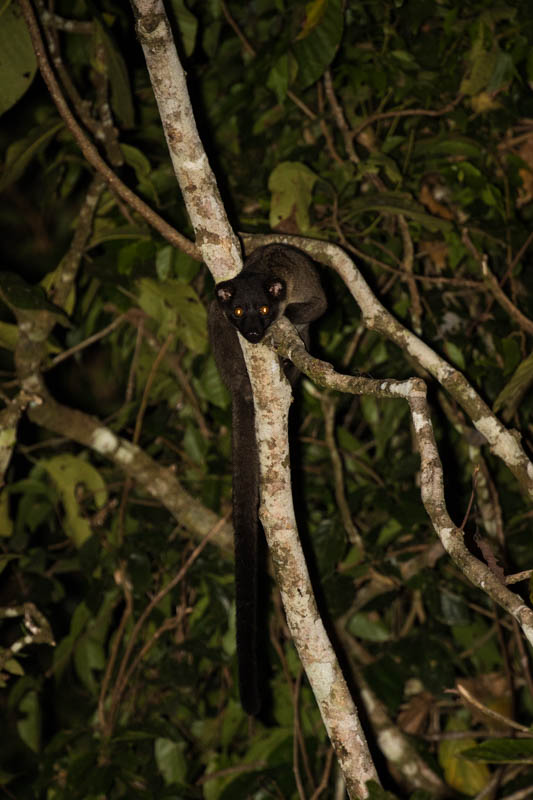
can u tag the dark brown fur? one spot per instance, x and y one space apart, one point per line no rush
285 280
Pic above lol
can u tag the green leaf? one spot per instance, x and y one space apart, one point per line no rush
195 444
24 296
163 262
22 151
64 650
463 775
187 23
137 160
50 281
17 58
486 655
36 505
186 268
14 667
68 472
176 307
502 751
405 57
6 523
171 262
136 255
89 656
376 792
314 13
115 66
449 146
279 77
512 393
370 409
5 777
6 558
29 725
389 532
318 40
267 743
211 386
455 355
291 185
170 760
364 626
9 335
79 619
397 203
61 656
266 120
502 72
453 608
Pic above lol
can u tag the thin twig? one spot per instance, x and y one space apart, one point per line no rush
322 786
407 263
117 640
409 112
86 342
124 672
173 361
147 388
130 386
340 118
489 712
499 295
296 736
89 150
240 35
328 410
519 576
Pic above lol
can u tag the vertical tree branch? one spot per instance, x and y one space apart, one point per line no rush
271 397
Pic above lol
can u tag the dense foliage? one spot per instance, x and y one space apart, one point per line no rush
400 130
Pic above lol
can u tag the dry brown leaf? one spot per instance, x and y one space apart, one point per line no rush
428 200
413 717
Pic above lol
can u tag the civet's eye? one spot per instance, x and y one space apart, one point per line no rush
264 310
238 311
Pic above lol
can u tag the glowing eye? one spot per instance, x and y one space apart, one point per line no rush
264 310
238 311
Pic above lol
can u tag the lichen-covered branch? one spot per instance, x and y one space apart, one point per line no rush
136 464
272 399
9 419
288 344
37 630
503 443
221 253
89 150
214 236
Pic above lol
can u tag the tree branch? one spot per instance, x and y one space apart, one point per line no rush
89 150
159 481
503 443
288 344
221 253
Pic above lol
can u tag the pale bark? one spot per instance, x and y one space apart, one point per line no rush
289 344
503 443
271 396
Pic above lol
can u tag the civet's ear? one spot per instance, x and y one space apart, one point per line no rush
224 291
276 288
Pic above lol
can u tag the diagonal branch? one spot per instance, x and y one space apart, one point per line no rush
289 345
503 443
272 399
89 150
221 253
215 239
137 465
